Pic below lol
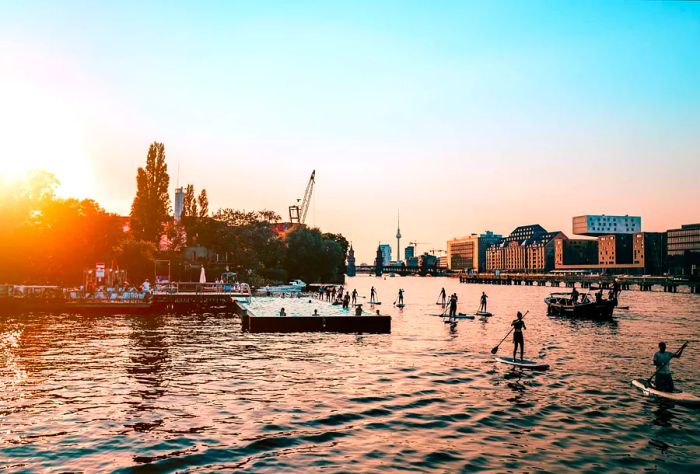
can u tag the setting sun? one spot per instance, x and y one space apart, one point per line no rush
42 132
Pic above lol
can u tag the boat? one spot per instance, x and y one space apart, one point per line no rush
677 396
522 363
560 304
294 286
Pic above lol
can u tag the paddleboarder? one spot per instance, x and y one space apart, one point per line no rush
354 296
482 306
518 326
453 305
372 295
662 359
400 298
442 298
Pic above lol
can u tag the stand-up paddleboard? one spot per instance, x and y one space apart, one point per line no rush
459 316
678 397
623 307
483 314
522 363
400 305
375 302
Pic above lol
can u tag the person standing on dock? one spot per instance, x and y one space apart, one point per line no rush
442 298
662 359
453 305
372 295
354 296
518 340
484 297
283 312
400 298
346 301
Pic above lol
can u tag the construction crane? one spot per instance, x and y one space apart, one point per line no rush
297 212
415 245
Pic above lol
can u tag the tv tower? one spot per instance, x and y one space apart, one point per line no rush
398 236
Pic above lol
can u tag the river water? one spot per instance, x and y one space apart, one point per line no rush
194 394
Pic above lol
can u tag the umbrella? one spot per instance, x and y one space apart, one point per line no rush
202 276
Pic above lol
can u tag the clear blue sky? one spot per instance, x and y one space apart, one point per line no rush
466 115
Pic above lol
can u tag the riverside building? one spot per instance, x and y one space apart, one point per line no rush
594 225
684 249
528 248
469 253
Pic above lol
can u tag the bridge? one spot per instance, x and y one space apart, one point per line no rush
402 270
668 284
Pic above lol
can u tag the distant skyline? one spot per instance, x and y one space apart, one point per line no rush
466 116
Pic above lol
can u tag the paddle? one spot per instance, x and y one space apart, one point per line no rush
675 354
495 349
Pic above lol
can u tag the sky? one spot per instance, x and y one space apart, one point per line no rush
465 116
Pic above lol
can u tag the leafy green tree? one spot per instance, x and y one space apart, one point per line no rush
45 239
151 206
189 207
138 257
203 202
313 258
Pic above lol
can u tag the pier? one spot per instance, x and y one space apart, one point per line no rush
369 324
403 270
640 283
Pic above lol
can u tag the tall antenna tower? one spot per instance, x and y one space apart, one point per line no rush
398 236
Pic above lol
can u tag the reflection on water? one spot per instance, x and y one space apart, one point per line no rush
194 393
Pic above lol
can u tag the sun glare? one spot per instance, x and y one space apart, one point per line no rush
41 132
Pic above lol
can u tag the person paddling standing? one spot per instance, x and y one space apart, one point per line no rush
354 296
518 326
400 298
443 296
482 306
453 305
662 359
372 295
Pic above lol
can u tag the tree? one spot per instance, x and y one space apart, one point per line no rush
203 201
189 207
138 258
151 206
313 258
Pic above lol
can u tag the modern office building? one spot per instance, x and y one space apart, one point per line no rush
427 260
684 250
409 252
649 252
640 253
527 249
469 253
685 239
575 252
386 253
615 249
597 225
179 203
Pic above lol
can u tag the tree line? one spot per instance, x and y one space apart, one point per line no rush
45 239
